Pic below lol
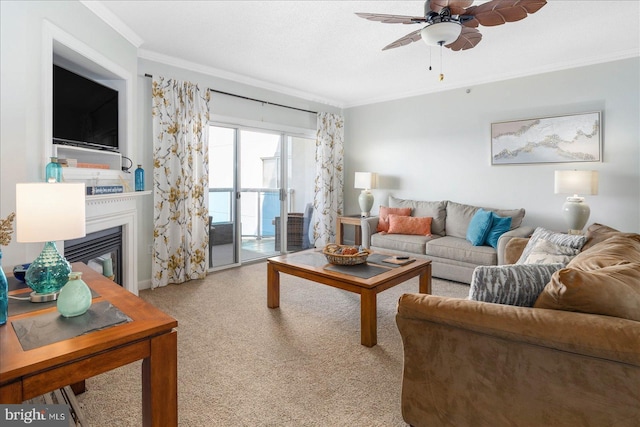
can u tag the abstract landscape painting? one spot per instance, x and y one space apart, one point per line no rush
560 139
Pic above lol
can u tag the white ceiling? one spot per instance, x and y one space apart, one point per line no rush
322 51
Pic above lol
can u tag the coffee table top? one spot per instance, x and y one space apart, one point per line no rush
370 274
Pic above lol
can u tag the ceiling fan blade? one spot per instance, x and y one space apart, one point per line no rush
408 39
457 7
498 12
469 37
392 19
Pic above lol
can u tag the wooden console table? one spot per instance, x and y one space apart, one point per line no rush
350 220
149 336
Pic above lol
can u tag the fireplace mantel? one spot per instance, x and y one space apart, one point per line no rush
113 210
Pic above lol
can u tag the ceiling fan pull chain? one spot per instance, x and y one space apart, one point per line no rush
429 59
441 74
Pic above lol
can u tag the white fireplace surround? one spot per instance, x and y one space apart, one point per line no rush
114 210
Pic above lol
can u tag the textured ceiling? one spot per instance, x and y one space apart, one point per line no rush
322 51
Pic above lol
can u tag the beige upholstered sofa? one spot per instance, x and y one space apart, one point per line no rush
571 360
453 256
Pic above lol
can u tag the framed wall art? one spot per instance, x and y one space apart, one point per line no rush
558 139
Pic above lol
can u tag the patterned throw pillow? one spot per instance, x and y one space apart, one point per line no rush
511 284
399 224
568 240
383 216
545 252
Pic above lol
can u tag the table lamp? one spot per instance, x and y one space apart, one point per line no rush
48 212
366 181
575 210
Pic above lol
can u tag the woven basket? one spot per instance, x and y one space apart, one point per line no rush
329 252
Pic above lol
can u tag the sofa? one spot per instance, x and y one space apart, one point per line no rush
572 359
453 256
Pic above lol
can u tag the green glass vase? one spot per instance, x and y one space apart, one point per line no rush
49 272
75 296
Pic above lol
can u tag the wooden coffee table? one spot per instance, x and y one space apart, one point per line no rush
312 265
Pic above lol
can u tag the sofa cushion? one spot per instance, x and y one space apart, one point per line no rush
479 227
546 252
399 224
401 242
458 218
383 216
499 226
568 240
596 233
613 251
516 215
435 210
611 291
511 284
459 249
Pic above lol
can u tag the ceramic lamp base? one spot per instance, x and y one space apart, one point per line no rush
576 214
365 200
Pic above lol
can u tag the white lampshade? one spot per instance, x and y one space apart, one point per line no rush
366 180
441 33
576 182
48 212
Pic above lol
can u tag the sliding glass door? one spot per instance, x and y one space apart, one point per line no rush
256 178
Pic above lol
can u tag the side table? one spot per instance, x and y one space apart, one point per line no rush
350 220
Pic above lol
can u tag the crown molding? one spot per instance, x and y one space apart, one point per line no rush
113 21
235 77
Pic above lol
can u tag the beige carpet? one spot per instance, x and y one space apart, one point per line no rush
243 364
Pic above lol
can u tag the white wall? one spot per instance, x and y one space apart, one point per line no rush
23 52
437 146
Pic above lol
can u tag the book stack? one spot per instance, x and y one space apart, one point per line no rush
104 189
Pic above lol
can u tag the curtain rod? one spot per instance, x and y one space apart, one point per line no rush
254 99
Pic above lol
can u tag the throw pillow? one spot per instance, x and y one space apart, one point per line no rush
499 226
479 227
570 240
510 284
546 252
383 220
610 291
399 224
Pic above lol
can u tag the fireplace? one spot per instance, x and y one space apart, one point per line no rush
100 250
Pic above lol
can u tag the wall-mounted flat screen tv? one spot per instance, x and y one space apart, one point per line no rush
85 113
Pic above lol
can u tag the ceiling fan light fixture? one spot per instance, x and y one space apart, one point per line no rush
441 33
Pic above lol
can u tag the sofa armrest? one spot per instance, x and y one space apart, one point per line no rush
368 226
514 248
592 335
504 239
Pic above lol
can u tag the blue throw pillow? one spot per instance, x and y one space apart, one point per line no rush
479 227
499 226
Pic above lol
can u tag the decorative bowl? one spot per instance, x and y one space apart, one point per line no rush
20 270
334 254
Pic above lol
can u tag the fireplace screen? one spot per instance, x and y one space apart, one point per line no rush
102 251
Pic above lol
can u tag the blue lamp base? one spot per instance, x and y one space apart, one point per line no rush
47 274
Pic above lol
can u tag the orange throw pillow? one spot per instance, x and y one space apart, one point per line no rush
420 226
383 220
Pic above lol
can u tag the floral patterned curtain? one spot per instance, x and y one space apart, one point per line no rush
180 181
329 181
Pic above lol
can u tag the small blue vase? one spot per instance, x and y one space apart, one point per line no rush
139 177
4 295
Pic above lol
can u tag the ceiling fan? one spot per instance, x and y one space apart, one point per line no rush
452 23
